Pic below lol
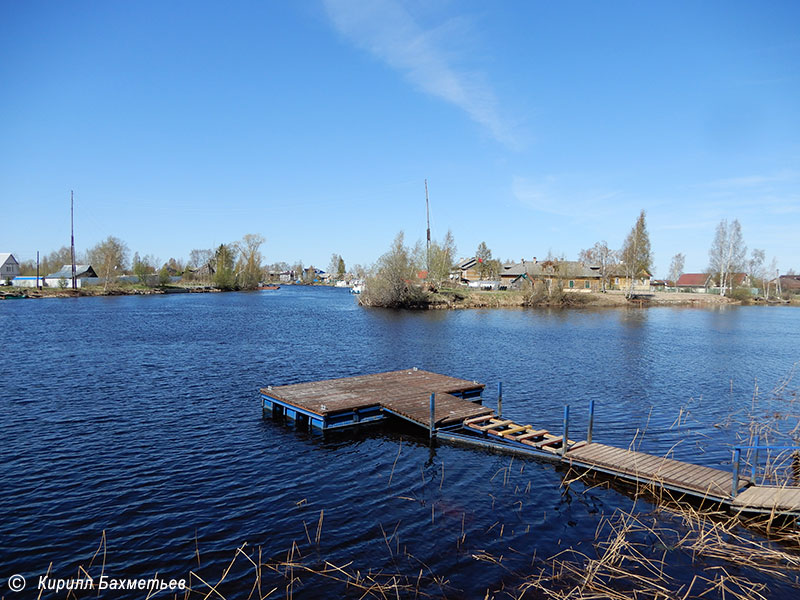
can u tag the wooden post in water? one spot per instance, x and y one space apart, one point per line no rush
499 399
591 422
566 430
737 454
433 418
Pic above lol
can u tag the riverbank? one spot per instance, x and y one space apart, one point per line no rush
462 298
127 290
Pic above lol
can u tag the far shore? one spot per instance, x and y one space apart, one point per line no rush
447 299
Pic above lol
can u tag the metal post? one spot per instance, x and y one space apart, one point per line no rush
591 422
433 418
566 430
499 399
737 454
755 458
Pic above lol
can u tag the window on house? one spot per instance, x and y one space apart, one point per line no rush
571 283
587 284
616 280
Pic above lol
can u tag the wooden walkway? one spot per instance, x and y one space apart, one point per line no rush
768 499
704 482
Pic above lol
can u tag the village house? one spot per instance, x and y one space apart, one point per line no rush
789 283
693 282
619 280
9 267
703 283
574 276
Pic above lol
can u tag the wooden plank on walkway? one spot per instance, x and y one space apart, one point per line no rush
694 479
448 410
766 499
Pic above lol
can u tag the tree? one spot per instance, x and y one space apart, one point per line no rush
333 266
441 257
109 257
249 270
224 259
340 269
199 258
727 254
393 283
602 257
676 267
483 255
143 267
636 255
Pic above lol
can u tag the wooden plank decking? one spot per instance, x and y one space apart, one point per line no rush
664 472
768 499
448 410
379 389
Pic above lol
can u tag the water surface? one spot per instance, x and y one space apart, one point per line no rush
140 417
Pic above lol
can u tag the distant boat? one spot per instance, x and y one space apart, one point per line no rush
357 288
269 287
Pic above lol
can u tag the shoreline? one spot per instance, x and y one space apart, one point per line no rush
447 299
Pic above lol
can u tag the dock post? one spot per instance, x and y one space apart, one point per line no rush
591 422
737 454
755 459
566 431
499 399
433 418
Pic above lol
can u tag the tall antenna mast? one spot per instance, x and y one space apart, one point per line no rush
428 247
72 238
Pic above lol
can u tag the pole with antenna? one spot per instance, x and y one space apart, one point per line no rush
428 246
72 238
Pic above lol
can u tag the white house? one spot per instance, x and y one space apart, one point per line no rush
9 267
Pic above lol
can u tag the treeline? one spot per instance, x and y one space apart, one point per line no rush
235 265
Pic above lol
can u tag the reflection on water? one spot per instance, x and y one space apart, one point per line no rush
140 416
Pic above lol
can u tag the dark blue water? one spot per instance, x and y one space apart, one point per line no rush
140 417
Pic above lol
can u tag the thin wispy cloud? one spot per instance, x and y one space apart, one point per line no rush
551 195
387 30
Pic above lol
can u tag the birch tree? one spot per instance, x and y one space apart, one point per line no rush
442 256
636 255
109 258
676 267
727 254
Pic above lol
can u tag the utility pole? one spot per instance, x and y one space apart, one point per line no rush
38 286
428 247
72 239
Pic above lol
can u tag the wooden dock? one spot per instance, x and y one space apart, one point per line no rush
451 409
353 400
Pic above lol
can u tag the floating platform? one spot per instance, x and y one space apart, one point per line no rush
451 409
335 403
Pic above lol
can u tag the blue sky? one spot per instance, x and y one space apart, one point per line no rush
540 126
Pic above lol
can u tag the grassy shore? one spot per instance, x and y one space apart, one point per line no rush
468 298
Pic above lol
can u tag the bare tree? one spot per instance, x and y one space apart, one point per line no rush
636 255
676 267
727 253
393 283
248 269
109 257
603 258
441 257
